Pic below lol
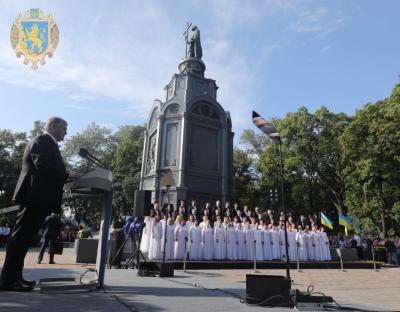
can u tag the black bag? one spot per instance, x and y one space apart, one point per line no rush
57 248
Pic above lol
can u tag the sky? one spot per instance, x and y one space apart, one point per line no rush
115 57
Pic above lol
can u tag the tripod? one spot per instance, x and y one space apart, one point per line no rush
130 262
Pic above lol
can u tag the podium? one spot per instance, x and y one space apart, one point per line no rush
97 183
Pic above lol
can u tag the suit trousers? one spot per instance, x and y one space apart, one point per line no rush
29 220
48 242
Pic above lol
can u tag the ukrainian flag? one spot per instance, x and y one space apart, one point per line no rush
356 225
343 220
326 221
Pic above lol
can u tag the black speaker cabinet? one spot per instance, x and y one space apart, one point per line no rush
142 203
267 290
165 269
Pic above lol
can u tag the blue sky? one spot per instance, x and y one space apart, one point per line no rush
115 57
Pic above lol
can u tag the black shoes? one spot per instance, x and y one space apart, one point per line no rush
52 262
16 286
28 283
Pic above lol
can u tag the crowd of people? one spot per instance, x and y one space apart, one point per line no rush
230 233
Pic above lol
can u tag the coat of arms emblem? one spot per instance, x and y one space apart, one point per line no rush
34 36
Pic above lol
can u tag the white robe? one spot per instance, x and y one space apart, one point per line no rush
325 252
292 249
249 243
258 237
219 243
282 243
275 244
231 243
194 243
240 246
317 246
310 247
181 234
169 244
207 238
155 242
146 235
267 244
301 240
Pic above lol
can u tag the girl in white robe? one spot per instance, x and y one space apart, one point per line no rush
310 245
219 242
282 243
316 244
195 242
231 242
292 248
258 237
249 242
181 234
301 241
155 242
267 243
207 238
325 251
275 243
240 246
169 244
146 234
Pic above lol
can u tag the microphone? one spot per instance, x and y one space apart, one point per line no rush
84 153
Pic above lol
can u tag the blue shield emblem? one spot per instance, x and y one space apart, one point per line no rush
34 36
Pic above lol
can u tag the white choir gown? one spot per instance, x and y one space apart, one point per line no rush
301 240
219 243
325 251
231 243
292 249
155 242
207 238
194 243
275 244
240 246
146 234
169 244
249 243
310 246
267 244
317 246
258 237
181 234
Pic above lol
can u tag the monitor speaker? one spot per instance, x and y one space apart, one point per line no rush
267 290
142 203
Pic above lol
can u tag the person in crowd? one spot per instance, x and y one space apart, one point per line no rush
391 251
118 233
195 242
155 239
4 233
52 229
181 237
207 239
170 242
358 246
219 241
325 251
231 242
240 245
146 235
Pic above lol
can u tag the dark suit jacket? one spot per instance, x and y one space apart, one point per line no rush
42 175
52 227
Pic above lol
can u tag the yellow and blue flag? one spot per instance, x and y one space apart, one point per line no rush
326 221
356 225
343 220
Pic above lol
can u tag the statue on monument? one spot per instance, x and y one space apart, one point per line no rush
195 44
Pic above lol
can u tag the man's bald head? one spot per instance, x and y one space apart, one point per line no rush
57 127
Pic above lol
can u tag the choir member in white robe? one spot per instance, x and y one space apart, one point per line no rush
155 242
292 248
170 243
258 237
207 238
240 246
178 220
248 241
301 240
267 242
310 244
219 242
146 234
181 234
325 252
231 242
316 244
275 243
282 242
195 242
190 222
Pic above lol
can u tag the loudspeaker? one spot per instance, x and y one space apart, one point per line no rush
142 203
267 290
161 269
166 269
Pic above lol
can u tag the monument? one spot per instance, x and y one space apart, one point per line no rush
189 133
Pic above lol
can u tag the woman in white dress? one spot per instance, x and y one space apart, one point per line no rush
219 242
231 242
169 244
267 240
292 248
181 234
301 241
155 241
316 244
146 234
275 243
325 251
248 241
258 237
207 238
195 242
310 244
240 246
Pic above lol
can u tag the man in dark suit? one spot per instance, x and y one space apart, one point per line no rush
52 229
38 193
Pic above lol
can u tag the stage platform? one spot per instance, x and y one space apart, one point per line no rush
211 265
